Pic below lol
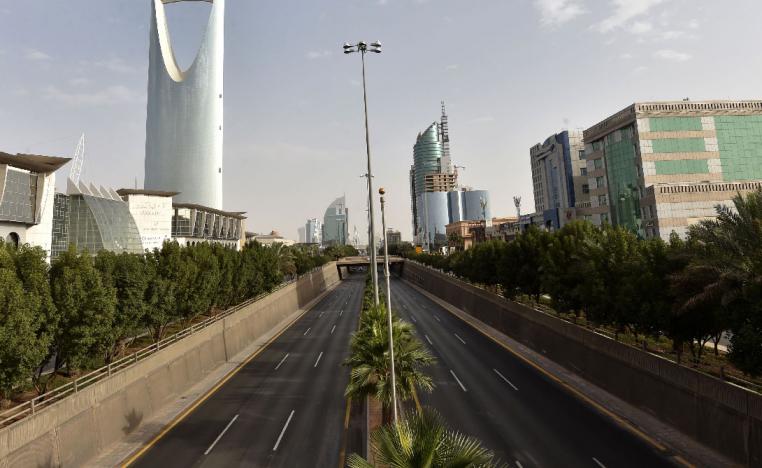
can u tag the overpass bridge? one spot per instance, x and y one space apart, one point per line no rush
344 264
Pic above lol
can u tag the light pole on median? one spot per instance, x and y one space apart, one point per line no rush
381 191
362 47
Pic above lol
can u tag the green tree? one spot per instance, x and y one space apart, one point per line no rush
566 265
423 440
521 269
129 275
369 360
198 281
86 307
609 296
22 348
162 290
229 263
32 269
728 259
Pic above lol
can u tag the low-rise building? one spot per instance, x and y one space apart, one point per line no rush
93 219
193 224
27 190
152 211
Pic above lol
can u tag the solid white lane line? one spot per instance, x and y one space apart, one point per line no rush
333 329
599 463
458 380
429 340
437 317
223 433
341 312
506 380
277 443
518 463
281 361
321 314
461 339
412 317
318 359
308 330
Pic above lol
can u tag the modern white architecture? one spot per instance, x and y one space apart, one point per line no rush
184 125
27 190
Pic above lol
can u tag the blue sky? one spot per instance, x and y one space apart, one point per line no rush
511 71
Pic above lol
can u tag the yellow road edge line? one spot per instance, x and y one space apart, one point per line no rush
343 452
618 419
211 391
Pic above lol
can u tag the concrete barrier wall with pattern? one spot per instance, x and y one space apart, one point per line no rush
76 429
722 416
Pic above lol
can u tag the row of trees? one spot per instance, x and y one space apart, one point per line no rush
420 438
690 291
84 310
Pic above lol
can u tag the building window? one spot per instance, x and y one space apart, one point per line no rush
604 217
581 154
598 163
602 201
585 188
583 171
599 183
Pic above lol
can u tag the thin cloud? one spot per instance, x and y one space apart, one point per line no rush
641 27
482 120
674 55
318 54
107 96
114 64
37 55
452 67
625 11
558 12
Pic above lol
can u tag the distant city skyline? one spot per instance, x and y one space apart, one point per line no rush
512 73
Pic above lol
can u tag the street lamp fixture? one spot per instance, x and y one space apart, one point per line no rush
381 192
362 47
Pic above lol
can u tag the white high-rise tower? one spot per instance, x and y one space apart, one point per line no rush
184 121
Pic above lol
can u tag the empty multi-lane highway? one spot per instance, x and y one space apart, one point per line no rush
285 408
528 420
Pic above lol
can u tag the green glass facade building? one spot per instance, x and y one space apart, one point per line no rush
659 167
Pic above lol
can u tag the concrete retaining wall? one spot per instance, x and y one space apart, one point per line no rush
72 431
717 414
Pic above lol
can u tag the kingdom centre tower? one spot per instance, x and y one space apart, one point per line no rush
185 112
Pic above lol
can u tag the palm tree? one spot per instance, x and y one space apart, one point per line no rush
369 360
728 261
423 440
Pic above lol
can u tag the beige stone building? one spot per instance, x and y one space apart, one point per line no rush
660 167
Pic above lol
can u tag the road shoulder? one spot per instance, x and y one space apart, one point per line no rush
674 444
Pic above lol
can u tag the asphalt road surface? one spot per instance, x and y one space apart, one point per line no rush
527 419
285 408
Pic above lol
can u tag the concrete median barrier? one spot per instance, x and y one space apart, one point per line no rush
722 416
74 430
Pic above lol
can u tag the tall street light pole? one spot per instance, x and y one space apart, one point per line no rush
381 191
362 47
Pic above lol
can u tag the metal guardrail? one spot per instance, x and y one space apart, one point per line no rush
38 403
